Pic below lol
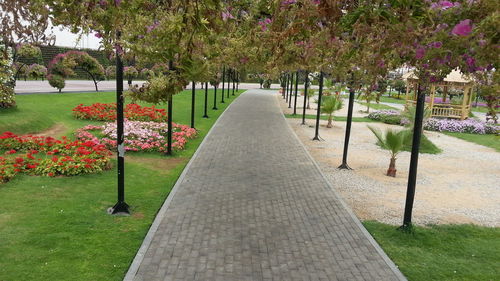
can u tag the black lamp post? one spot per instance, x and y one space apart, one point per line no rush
193 98
291 92
215 97
348 129
318 111
205 115
286 87
412 176
305 99
234 82
170 126
296 91
223 81
228 81
120 207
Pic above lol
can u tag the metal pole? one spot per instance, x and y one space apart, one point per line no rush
206 99
228 81
286 87
169 125
193 98
318 111
412 176
291 93
169 117
215 98
305 99
223 81
120 206
283 82
348 130
296 91
234 82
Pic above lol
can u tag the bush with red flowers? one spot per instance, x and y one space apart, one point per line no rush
46 156
107 112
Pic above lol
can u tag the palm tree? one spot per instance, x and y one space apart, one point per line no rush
394 142
329 105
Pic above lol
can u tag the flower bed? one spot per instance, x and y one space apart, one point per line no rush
46 156
107 112
389 117
471 126
139 136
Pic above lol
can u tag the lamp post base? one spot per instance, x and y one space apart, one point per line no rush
344 166
120 208
205 116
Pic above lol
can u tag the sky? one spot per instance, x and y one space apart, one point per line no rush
67 39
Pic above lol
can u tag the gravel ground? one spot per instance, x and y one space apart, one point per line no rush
459 185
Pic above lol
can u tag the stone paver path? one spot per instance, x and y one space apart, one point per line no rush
252 205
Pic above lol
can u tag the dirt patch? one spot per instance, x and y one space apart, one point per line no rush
55 131
162 165
138 215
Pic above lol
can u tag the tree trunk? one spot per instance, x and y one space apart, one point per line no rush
368 107
330 119
391 172
308 107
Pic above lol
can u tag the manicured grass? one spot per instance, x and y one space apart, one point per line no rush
375 106
336 118
489 140
482 109
58 228
393 99
446 252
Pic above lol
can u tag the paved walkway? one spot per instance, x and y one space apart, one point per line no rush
252 205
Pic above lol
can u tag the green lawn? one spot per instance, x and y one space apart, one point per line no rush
57 228
489 140
375 106
447 252
393 99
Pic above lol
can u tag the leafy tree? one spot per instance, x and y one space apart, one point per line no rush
21 22
393 141
62 66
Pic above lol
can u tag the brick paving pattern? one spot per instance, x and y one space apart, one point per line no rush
253 206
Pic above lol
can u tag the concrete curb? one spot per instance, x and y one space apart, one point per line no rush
372 241
139 257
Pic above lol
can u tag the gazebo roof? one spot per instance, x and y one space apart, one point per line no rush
454 77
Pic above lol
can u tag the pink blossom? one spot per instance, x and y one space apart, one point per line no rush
227 15
463 28
420 53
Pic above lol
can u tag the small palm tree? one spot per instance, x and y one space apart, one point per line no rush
329 106
394 142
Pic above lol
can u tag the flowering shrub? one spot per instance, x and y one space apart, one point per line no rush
46 156
37 71
139 136
110 72
107 112
388 116
471 126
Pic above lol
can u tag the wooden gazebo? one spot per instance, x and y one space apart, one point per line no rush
444 109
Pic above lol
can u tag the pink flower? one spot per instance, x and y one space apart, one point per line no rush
419 53
227 15
463 28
